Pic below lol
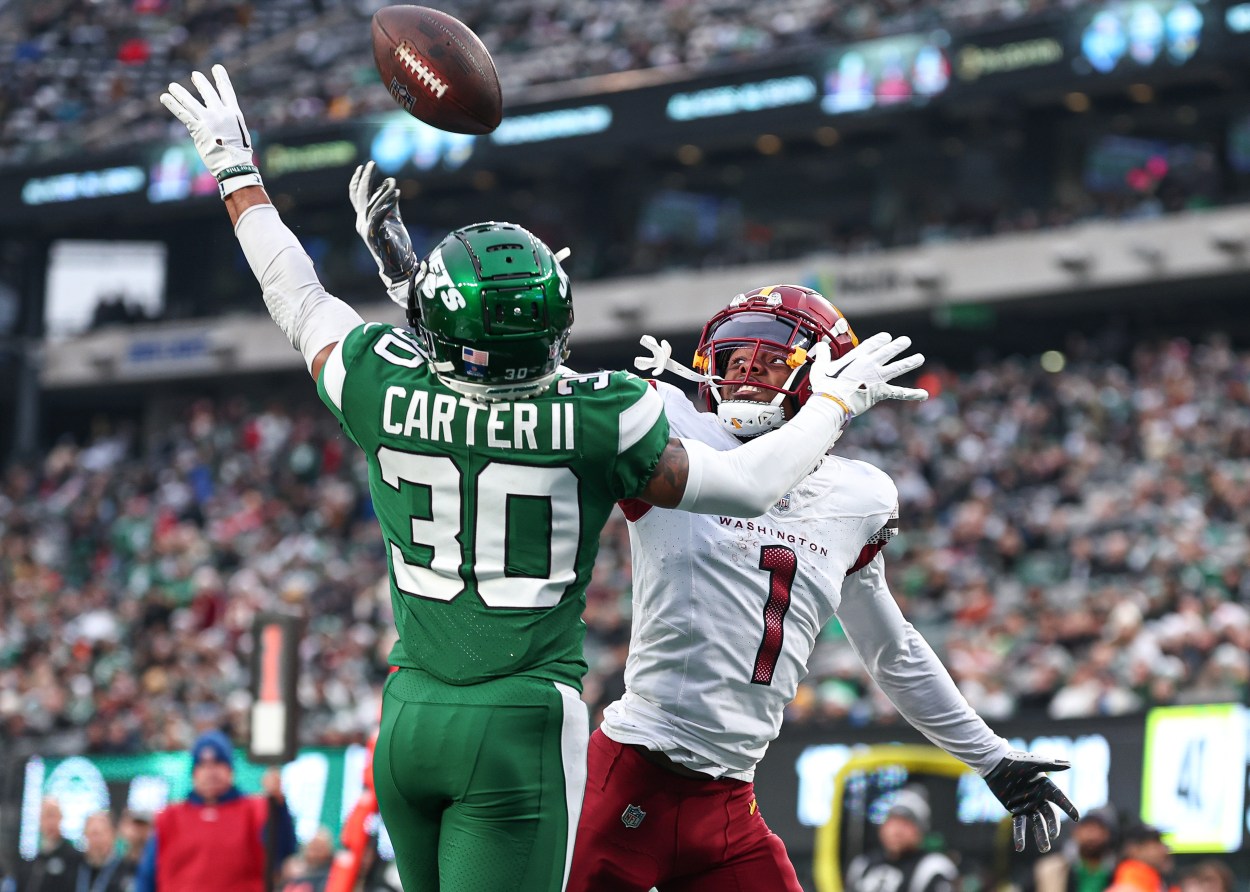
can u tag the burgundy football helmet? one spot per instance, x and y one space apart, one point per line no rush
780 319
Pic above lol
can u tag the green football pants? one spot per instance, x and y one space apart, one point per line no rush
480 786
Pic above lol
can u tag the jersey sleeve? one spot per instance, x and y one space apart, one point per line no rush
332 381
642 434
907 670
876 542
881 522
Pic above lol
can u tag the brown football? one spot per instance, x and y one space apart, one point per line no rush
437 69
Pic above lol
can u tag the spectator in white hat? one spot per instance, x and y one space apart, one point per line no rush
901 863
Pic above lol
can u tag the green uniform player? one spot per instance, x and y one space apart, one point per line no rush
491 515
492 469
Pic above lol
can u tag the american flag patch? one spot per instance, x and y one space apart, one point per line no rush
475 361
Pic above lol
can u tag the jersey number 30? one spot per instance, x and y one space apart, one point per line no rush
498 490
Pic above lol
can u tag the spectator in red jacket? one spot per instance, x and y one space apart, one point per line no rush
1146 861
216 839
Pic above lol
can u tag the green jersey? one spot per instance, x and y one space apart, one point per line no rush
491 512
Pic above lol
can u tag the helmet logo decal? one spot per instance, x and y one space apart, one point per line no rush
437 279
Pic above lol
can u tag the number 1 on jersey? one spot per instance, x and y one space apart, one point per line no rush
781 564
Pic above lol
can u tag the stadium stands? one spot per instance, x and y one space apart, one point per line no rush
133 566
79 74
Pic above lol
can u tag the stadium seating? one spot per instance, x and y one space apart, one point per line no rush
78 74
132 566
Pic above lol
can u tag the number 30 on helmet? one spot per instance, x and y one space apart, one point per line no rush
494 309
780 319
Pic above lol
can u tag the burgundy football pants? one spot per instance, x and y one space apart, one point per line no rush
643 826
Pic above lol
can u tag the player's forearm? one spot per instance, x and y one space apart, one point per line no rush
239 201
745 482
909 672
309 316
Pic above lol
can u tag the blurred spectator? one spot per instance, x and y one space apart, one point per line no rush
135 828
55 867
1088 858
102 868
1145 861
216 839
900 864
1208 876
319 51
309 870
1073 544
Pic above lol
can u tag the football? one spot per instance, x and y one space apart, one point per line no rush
437 69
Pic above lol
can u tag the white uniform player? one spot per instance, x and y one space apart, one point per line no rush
726 610
726 615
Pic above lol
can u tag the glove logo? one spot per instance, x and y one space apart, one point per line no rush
632 816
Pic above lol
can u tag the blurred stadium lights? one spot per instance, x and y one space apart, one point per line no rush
689 154
1053 361
828 136
768 143
1076 102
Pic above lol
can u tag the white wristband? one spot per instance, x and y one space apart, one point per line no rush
247 175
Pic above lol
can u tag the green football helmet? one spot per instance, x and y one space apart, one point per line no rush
494 309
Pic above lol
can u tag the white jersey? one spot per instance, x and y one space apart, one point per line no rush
727 611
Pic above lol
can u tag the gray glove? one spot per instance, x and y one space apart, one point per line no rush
1021 785
380 227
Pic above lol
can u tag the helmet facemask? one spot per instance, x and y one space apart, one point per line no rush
747 352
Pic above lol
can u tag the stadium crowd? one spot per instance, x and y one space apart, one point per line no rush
84 73
1073 542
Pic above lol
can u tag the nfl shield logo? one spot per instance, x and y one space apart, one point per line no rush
632 816
783 504
402 95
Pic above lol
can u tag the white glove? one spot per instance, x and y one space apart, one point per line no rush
382 230
218 128
859 379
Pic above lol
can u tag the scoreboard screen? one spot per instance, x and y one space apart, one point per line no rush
1194 777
